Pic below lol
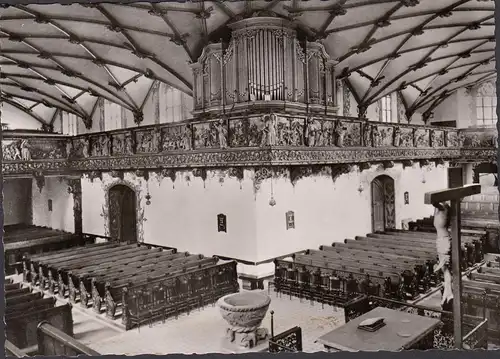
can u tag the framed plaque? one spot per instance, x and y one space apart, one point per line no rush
290 220
221 223
407 198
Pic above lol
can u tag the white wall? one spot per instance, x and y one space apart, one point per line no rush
16 201
183 214
327 212
61 217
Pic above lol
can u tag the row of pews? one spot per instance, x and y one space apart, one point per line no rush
51 342
394 264
25 309
21 239
481 295
136 281
469 225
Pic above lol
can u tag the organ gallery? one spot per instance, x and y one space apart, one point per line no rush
199 171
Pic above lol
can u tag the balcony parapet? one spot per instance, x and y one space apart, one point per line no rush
479 144
269 139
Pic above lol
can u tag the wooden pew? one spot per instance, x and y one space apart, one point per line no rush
21 328
364 242
166 297
38 269
491 226
58 274
12 286
54 342
329 280
36 304
380 260
111 289
23 298
489 270
80 282
69 279
473 241
40 240
356 279
468 253
17 292
28 267
480 277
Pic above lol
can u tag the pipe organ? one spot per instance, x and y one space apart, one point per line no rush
264 64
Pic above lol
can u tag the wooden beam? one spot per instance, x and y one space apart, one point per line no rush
451 194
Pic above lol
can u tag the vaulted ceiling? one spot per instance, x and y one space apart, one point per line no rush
66 57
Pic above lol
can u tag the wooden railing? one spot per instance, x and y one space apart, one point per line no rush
289 341
12 351
52 341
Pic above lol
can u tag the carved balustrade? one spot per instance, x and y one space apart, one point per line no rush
258 139
479 144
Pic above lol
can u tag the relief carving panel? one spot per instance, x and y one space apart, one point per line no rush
27 149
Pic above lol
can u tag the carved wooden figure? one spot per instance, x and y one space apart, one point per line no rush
454 195
25 151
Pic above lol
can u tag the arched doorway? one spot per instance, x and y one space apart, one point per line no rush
122 214
383 206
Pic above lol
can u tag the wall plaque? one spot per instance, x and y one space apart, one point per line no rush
221 223
290 220
49 205
407 198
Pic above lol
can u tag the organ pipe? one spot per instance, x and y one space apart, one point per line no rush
264 62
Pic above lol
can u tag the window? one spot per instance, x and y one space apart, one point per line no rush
486 105
385 109
174 105
69 124
112 116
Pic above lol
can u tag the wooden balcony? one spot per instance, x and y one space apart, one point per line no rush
257 140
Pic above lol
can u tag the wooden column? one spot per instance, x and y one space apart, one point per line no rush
75 188
455 195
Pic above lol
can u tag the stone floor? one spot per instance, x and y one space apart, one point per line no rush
202 331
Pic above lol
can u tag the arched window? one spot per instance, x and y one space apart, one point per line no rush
385 109
486 105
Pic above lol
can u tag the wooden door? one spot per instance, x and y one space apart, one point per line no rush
122 214
378 212
383 203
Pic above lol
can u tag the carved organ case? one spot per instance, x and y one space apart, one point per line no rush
265 62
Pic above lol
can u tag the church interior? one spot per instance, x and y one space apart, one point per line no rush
249 176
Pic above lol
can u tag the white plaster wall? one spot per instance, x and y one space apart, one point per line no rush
327 212
183 214
61 216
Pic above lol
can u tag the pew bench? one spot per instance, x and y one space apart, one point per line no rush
170 296
21 327
113 289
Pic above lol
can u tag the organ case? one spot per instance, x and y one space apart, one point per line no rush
266 62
